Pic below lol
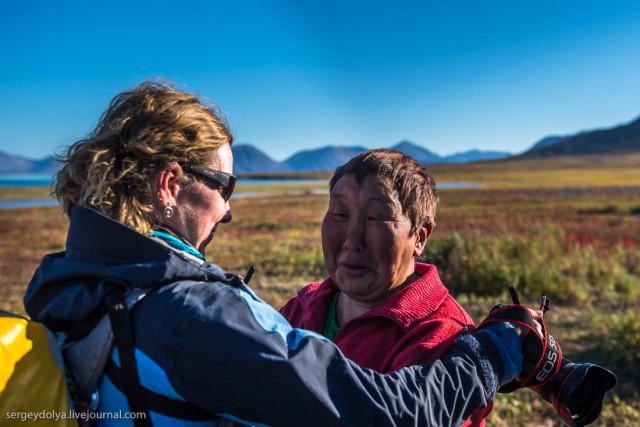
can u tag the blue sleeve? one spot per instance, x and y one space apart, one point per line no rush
237 357
507 343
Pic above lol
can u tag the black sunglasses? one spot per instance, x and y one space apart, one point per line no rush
226 180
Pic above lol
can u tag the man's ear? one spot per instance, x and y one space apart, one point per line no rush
167 183
422 234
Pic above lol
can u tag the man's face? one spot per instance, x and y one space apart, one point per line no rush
366 240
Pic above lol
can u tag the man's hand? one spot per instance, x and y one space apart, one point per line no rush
522 332
541 352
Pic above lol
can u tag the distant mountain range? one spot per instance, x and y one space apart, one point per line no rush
547 141
14 164
321 159
619 139
255 161
330 157
249 159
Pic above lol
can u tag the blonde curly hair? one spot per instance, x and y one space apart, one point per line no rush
112 170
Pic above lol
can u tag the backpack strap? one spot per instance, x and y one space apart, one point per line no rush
126 377
86 357
157 402
89 358
7 313
123 339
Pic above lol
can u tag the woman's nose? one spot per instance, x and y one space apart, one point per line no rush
355 236
227 215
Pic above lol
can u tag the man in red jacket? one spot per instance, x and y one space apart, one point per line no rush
383 309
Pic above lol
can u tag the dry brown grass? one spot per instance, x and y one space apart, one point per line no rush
27 235
561 172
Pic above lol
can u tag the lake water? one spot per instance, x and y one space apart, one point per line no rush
25 180
45 181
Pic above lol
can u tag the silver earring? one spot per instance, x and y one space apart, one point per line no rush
168 211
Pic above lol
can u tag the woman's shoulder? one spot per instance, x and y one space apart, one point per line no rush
309 304
437 302
317 295
310 289
189 295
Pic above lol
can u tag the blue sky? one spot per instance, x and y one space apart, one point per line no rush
291 75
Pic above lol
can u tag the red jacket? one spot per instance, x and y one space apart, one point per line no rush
416 325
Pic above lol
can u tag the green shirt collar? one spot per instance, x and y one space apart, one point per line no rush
331 327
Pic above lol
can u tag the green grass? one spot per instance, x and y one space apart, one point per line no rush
535 263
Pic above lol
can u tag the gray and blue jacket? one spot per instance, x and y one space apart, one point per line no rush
203 338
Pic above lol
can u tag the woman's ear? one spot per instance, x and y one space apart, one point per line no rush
167 183
422 234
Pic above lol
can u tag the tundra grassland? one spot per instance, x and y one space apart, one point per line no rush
572 235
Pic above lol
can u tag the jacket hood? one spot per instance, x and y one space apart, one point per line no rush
71 286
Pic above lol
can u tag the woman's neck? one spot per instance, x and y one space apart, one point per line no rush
348 308
176 241
174 233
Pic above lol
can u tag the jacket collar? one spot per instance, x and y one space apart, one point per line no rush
86 240
406 307
69 286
